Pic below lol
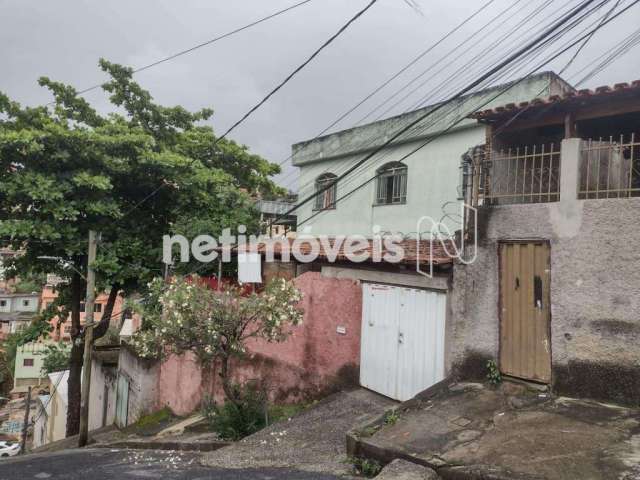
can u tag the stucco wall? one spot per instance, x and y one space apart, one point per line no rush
103 390
595 293
315 359
143 384
433 171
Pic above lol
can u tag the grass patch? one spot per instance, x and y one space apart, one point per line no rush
279 413
155 418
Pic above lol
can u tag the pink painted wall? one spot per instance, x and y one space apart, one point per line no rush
313 361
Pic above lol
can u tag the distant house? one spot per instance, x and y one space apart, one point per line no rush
276 211
62 329
28 368
50 418
17 310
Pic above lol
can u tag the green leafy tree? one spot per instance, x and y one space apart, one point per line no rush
56 358
185 316
133 176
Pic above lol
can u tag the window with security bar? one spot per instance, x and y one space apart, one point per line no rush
326 188
391 185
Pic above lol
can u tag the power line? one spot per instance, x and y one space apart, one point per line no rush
397 74
269 95
540 38
553 57
447 55
292 74
204 44
453 76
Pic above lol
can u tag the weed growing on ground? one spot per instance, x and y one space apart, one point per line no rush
493 375
364 466
391 417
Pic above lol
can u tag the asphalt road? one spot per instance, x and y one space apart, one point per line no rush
102 464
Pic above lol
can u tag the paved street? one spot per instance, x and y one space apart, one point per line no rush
103 464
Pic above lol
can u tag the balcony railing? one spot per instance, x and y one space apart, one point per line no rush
521 175
610 168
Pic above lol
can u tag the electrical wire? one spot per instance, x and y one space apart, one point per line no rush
434 93
203 44
554 56
269 95
449 54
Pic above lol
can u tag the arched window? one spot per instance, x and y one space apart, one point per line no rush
326 191
391 185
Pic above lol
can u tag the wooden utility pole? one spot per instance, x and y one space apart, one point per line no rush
88 339
25 426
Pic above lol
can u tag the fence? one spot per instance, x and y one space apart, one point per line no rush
522 175
610 168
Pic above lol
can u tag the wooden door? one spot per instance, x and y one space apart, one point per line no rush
525 343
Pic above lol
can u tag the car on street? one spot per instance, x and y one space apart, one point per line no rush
9 449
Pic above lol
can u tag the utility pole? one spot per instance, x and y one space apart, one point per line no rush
25 426
88 339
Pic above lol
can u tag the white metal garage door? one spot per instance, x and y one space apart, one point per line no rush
402 345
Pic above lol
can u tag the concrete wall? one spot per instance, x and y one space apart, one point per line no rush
103 393
433 171
595 291
313 361
143 378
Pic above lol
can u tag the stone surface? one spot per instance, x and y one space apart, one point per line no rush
550 438
313 440
403 470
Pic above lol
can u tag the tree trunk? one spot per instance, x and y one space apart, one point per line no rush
101 329
75 362
225 376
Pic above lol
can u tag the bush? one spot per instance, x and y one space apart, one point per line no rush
233 421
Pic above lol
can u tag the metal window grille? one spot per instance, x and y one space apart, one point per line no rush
610 168
391 186
326 199
522 175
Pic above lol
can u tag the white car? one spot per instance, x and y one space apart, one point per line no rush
9 449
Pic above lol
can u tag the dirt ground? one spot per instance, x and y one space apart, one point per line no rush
523 434
313 440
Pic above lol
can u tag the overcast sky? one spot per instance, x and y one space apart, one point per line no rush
64 39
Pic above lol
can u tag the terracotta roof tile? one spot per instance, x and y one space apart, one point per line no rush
566 96
414 251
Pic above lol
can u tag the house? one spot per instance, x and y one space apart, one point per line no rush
272 210
554 294
400 190
62 329
547 284
53 412
17 310
28 368
381 325
41 421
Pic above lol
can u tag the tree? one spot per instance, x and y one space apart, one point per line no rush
184 316
133 176
56 358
